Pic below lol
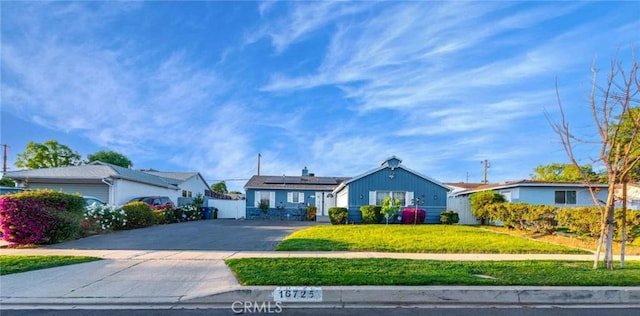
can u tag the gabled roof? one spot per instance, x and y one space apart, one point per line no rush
294 182
96 170
176 178
464 185
527 183
391 164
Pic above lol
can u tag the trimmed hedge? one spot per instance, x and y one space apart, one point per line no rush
338 215
409 216
583 221
139 214
371 214
40 217
449 217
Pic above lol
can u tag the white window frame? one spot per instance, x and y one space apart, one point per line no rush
295 197
258 196
373 196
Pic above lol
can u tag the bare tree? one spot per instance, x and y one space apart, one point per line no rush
618 135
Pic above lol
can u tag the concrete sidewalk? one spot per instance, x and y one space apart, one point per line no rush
166 279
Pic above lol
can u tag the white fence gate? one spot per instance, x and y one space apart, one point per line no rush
229 208
463 207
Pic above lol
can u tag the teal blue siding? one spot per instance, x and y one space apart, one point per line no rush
433 196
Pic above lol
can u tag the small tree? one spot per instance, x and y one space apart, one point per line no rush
613 104
220 187
51 154
6 182
480 202
390 210
111 157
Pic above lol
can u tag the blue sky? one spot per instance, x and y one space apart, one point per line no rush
335 86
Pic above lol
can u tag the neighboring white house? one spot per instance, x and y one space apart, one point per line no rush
190 183
633 195
114 184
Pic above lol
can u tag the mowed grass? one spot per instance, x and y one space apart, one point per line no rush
14 264
415 239
377 271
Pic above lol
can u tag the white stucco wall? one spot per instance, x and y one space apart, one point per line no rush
125 190
195 185
342 200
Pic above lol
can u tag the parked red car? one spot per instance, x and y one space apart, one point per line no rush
155 201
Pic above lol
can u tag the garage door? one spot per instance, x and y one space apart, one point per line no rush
100 191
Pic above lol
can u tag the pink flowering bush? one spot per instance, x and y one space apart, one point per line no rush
37 217
409 216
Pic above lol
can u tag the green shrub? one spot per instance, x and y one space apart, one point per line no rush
190 212
138 215
371 214
449 217
167 215
338 215
102 218
41 216
480 202
633 225
311 212
583 221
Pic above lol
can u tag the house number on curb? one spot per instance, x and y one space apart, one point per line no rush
297 294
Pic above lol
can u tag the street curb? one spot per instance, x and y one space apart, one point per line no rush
408 295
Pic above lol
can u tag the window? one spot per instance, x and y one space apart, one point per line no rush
381 195
400 196
295 197
565 197
268 197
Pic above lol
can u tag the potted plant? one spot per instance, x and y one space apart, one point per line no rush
264 207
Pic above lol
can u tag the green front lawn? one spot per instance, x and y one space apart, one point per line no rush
414 239
14 264
333 271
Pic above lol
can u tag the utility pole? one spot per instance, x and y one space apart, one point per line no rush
486 166
4 161
259 155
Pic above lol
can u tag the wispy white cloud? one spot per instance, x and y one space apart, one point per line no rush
303 19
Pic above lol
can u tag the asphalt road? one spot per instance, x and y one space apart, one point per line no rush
405 311
220 235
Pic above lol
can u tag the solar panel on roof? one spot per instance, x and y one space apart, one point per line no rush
297 180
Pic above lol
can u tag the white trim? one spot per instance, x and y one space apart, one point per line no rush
400 166
272 199
528 184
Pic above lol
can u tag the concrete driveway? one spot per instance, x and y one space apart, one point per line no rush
218 235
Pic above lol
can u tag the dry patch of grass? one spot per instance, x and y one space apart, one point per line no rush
570 241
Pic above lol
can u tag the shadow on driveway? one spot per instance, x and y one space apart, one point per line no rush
220 235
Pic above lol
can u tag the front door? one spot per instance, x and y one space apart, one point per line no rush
319 203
